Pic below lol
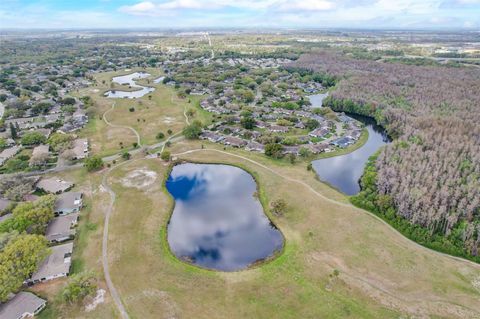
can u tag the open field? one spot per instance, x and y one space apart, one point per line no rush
162 112
381 274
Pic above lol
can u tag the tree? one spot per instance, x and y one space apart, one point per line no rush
193 130
33 138
248 122
278 207
79 287
31 217
126 156
312 124
13 131
304 152
60 142
274 150
19 258
160 136
165 155
93 163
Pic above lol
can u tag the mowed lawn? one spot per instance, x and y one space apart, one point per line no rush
158 111
381 274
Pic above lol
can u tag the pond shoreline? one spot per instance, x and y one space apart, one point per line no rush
259 195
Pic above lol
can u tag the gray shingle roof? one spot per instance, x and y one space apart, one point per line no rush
60 228
58 263
54 185
23 304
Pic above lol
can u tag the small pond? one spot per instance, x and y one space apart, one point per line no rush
217 222
129 80
159 80
344 171
317 99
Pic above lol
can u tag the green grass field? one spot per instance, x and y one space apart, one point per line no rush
381 274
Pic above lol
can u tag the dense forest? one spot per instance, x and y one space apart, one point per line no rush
430 175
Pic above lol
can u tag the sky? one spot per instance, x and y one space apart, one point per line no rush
377 14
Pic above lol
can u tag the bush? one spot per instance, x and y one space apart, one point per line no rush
160 136
79 287
93 163
33 138
274 150
165 155
126 156
193 130
278 207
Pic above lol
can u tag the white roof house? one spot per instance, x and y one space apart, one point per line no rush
22 305
54 266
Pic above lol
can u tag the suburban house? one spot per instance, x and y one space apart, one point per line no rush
8 153
234 141
61 228
278 129
319 132
80 148
255 147
67 203
342 142
54 266
53 185
22 305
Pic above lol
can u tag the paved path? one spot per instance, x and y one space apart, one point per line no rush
106 271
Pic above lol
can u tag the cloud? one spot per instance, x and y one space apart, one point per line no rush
307 5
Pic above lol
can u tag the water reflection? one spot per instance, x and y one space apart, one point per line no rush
317 99
217 222
129 80
343 172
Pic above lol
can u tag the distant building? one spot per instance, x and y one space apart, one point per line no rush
22 305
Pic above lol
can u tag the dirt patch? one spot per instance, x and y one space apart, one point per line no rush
98 299
139 178
476 283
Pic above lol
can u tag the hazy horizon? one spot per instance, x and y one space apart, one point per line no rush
244 14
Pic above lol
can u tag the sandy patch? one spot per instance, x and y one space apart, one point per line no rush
139 178
476 283
99 299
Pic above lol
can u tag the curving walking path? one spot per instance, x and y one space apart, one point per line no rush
318 194
120 126
106 270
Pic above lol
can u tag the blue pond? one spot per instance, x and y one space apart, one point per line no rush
217 223
344 171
